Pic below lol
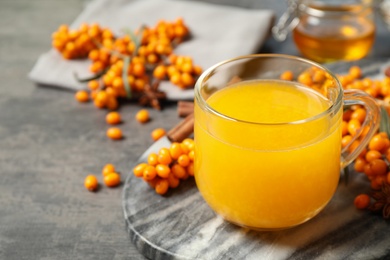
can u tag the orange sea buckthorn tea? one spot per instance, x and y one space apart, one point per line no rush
268 150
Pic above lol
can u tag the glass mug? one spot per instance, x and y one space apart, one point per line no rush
268 150
326 31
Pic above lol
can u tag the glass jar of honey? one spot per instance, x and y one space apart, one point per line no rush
329 30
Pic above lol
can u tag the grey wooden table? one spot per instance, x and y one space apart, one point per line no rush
49 143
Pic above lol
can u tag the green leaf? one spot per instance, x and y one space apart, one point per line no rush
127 59
136 39
384 125
126 62
96 76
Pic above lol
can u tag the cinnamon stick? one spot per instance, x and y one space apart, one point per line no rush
182 130
184 108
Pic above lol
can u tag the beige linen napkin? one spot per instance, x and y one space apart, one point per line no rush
218 33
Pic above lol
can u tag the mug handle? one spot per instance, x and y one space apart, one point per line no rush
358 97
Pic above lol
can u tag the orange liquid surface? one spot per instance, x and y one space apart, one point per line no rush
266 177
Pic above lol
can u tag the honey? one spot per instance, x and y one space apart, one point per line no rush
349 39
326 31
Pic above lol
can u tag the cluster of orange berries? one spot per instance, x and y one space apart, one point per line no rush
151 57
111 178
165 169
76 43
313 77
181 71
377 88
374 160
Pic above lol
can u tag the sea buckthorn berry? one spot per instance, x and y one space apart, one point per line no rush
183 160
344 128
163 170
189 143
191 155
164 150
107 169
91 183
377 143
149 173
305 78
187 80
368 171
319 76
138 69
102 96
179 171
372 92
162 186
152 58
117 82
190 169
99 103
142 116
158 133
380 179
184 148
359 114
153 159
346 140
353 126
172 58
175 150
93 94
153 182
160 72
378 166
171 70
363 153
112 180
93 85
373 155
287 75
355 72
175 78
347 115
164 156
96 66
355 144
173 181
362 201
112 103
82 96
139 169
365 131
359 164
386 146
197 70
114 133
93 55
113 118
